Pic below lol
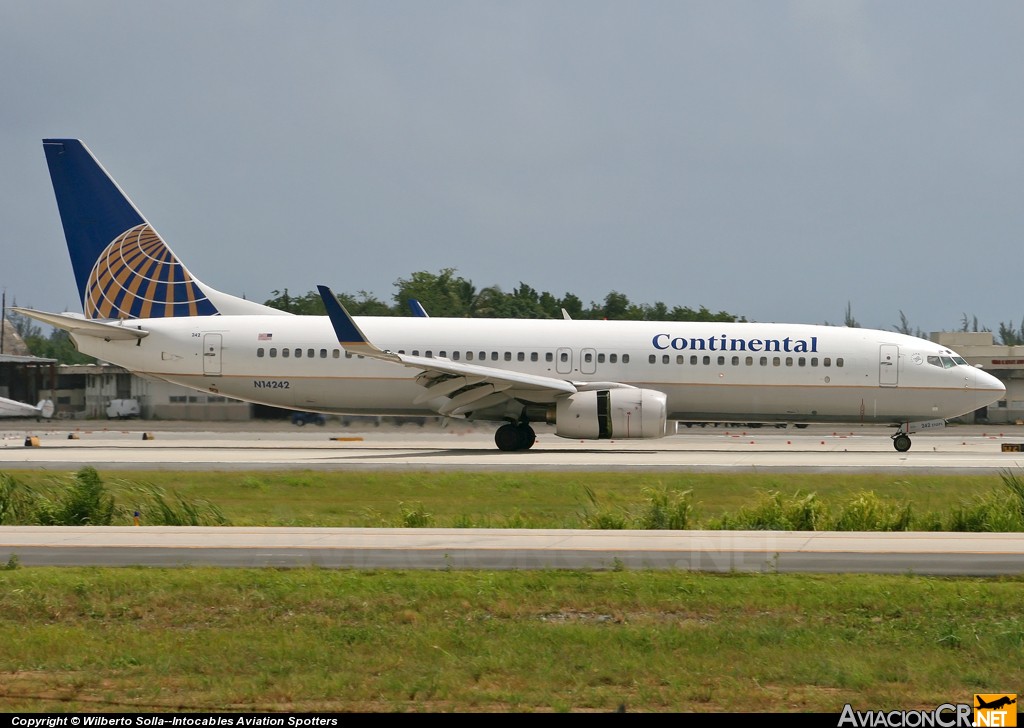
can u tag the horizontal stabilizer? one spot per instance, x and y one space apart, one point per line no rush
113 331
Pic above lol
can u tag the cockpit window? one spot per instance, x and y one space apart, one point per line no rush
946 362
961 361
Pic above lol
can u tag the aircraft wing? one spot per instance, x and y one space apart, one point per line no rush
11 408
455 387
109 331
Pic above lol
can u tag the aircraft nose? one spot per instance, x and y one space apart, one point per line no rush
988 385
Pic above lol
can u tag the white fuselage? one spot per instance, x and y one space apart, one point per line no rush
708 371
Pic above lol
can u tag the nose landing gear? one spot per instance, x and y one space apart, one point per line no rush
901 439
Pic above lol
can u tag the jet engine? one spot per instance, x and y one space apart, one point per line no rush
602 414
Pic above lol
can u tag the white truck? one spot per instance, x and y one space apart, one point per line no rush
123 409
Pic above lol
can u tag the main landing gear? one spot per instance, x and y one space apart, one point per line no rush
512 437
901 440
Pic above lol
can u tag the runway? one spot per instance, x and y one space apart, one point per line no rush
498 549
153 445
261 446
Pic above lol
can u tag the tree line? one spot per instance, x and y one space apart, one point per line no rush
446 294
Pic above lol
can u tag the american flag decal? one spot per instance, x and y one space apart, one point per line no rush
265 337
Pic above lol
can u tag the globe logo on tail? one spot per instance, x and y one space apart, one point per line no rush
137 276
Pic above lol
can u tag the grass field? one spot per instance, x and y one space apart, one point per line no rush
502 500
137 639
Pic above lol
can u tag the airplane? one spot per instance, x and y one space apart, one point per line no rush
12 408
996 704
592 380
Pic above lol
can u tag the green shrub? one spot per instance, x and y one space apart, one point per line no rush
800 512
156 508
667 510
84 503
868 512
17 502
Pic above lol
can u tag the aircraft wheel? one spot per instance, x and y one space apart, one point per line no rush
526 437
507 438
510 438
901 443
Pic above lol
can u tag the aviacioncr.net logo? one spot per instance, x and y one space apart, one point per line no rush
995 709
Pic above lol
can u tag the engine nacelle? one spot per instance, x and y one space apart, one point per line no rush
606 413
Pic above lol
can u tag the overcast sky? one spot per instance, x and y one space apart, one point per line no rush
776 160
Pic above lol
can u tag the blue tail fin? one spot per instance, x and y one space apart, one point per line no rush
123 268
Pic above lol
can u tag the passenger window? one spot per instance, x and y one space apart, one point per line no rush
456 355
801 362
827 361
310 353
735 361
508 356
814 361
750 361
839 361
348 354
764 361
298 353
285 353
588 357
707 360
442 354
323 353
534 357
483 356
600 358
273 353
664 359
651 359
336 353
429 354
259 352
625 358
721 360
563 357
613 358
693 360
776 361
469 355
789 361
680 359
520 356
494 356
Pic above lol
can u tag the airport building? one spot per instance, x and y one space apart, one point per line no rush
1004 362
